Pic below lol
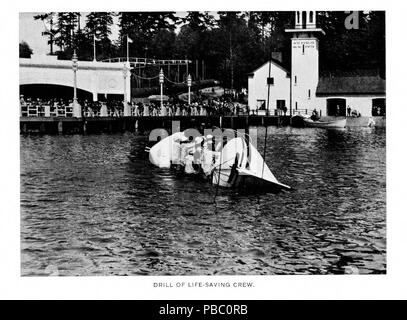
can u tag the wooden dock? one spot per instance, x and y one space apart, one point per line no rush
69 125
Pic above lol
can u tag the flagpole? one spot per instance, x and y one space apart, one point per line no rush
94 48
127 48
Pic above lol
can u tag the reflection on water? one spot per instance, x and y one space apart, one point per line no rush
93 205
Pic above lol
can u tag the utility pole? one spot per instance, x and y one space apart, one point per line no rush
161 79
51 37
189 82
187 67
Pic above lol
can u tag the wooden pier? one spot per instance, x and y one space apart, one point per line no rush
69 125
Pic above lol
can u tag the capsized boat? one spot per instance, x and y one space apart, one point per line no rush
241 165
236 165
335 123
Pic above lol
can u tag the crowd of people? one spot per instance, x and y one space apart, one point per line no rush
211 107
203 108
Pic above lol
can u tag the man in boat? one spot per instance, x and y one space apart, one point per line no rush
191 155
315 116
207 157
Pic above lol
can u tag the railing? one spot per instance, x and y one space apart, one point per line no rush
301 112
304 112
34 110
148 61
269 112
37 110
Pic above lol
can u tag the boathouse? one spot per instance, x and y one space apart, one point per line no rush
279 79
303 89
363 92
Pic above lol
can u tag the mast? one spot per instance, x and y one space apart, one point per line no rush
267 111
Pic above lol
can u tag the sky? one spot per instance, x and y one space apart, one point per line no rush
30 31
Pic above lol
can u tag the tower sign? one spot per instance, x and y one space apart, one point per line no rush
304 60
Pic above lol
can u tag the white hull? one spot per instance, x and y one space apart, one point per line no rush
340 123
248 169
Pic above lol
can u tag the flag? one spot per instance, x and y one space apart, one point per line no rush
129 40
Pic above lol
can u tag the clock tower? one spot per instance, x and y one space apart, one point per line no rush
304 60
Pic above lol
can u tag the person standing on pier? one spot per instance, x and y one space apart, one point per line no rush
145 111
163 111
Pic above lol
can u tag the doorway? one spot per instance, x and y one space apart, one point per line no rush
336 107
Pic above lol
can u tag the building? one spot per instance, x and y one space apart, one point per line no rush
279 94
362 93
303 89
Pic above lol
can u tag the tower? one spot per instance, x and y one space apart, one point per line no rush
304 60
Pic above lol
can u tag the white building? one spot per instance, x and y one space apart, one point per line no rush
360 93
303 90
279 94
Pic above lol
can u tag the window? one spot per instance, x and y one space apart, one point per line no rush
303 49
280 104
281 108
311 16
309 93
298 17
336 107
270 80
295 80
261 104
304 19
296 105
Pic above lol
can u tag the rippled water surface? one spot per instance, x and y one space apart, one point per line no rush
93 205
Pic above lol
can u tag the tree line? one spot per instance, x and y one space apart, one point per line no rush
231 44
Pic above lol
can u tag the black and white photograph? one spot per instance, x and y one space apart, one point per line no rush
173 143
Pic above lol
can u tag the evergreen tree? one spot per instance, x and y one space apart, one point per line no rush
49 20
142 26
199 21
65 28
98 24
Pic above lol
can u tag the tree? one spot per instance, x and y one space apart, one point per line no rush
142 26
25 50
98 24
65 28
48 19
199 21
377 39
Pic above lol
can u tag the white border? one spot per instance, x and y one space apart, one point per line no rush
390 286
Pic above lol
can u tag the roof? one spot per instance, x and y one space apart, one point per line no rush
275 61
345 85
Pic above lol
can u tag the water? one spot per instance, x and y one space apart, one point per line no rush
93 205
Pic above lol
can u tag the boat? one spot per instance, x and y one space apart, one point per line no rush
235 165
335 123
